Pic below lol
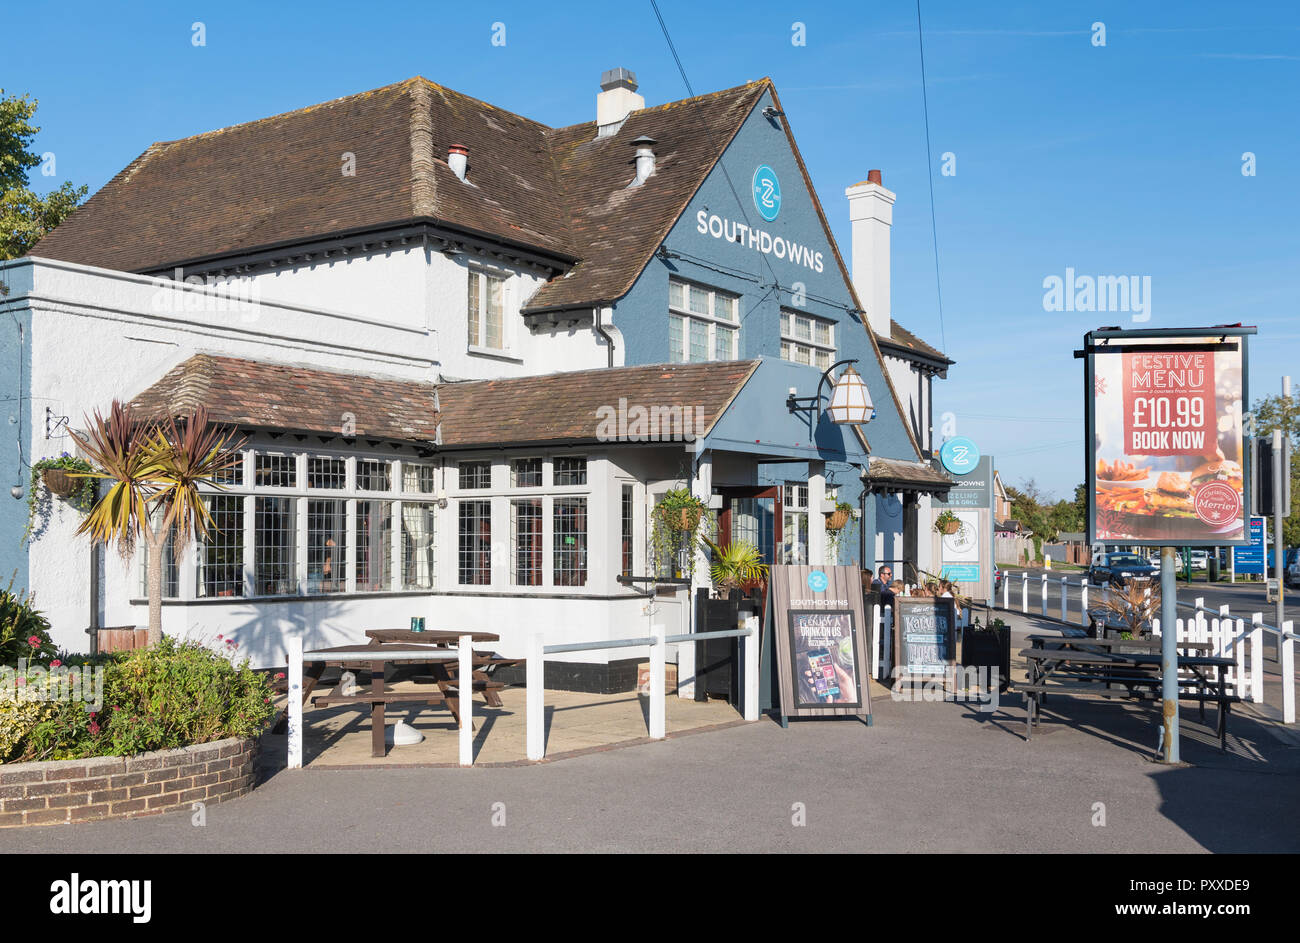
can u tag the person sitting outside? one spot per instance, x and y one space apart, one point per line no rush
882 584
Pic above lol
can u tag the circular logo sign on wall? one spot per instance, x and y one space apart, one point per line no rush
818 581
959 455
767 192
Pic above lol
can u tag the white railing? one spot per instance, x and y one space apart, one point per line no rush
657 643
463 653
1228 634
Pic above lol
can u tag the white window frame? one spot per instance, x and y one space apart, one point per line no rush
790 340
711 320
479 344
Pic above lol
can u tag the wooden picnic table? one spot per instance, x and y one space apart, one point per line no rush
1086 642
444 672
1077 670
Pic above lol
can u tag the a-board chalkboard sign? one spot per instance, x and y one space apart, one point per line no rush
815 642
925 637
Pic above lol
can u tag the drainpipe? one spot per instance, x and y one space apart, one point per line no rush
601 331
94 598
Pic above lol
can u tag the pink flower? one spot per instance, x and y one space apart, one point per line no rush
34 641
94 729
220 637
279 676
20 681
56 663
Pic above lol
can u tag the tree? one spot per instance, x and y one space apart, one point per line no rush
1283 412
155 469
26 218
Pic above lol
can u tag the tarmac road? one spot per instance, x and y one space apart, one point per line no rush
928 776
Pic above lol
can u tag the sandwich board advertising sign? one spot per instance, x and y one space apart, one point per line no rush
815 653
1165 448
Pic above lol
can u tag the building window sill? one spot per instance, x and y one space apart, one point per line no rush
494 353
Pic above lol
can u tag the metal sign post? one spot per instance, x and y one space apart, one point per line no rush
1279 491
1169 655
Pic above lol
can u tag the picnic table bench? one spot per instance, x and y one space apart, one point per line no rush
1091 667
400 646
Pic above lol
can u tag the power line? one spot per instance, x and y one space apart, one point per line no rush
929 163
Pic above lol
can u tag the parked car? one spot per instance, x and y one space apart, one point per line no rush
1292 573
1200 559
1116 569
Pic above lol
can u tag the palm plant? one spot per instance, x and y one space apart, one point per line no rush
735 565
155 468
1133 605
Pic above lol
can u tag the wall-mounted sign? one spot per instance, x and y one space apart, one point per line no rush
728 230
1164 429
925 637
815 644
959 455
767 192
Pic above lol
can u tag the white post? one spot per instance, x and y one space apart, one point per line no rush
1256 657
657 683
877 639
1231 648
1024 592
1047 561
751 643
887 637
465 655
295 702
1201 625
535 697
1006 591
1044 593
1064 581
816 519
1083 602
1288 674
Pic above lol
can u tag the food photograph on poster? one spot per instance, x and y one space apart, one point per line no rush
1167 451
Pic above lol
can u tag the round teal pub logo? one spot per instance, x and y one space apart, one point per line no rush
767 192
818 581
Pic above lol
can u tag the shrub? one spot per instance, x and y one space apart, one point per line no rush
24 632
171 695
17 720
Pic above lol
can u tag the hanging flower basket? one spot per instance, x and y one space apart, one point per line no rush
687 519
947 523
952 527
59 481
837 519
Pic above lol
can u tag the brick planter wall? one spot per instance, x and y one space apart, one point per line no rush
122 786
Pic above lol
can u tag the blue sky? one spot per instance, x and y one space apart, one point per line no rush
1117 160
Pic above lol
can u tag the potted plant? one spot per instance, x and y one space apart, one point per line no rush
61 476
735 566
676 519
988 646
836 521
947 522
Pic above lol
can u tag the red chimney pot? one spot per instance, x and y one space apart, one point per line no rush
873 176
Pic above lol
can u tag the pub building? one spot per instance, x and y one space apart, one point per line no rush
469 353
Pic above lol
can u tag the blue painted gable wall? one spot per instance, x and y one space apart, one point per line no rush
765 284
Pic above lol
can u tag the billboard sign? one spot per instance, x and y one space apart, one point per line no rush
1164 434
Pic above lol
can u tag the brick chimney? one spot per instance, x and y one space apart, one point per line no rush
871 211
617 100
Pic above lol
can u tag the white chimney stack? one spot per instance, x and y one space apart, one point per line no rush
617 100
871 211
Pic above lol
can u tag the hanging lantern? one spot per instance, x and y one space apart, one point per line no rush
850 401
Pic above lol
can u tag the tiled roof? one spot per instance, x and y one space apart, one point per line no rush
558 407
904 338
616 230
913 475
280 181
564 406
280 396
